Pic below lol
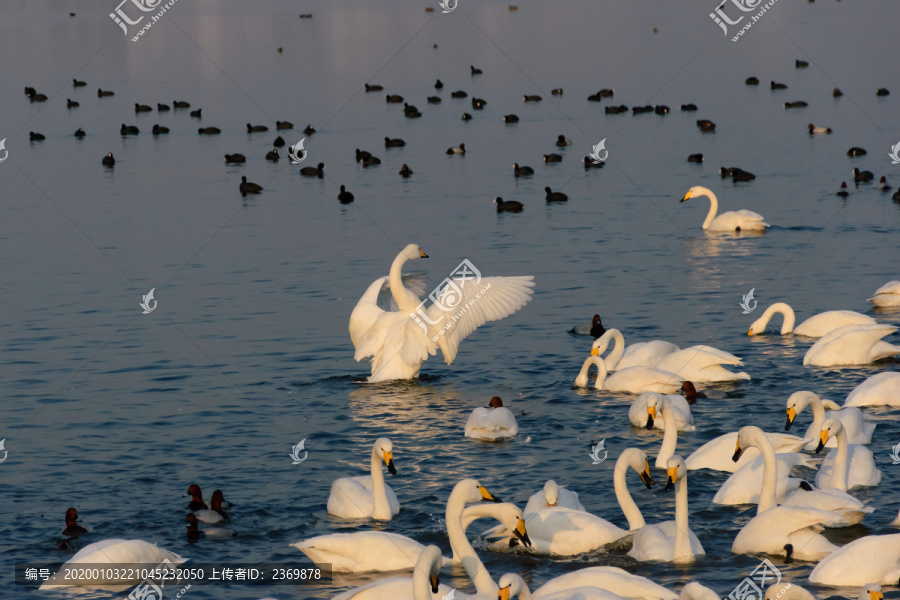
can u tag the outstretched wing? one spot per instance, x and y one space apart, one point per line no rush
467 305
412 282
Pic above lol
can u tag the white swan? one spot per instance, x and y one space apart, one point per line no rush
716 454
398 341
115 552
367 496
814 327
642 412
702 364
496 422
634 380
788 591
847 467
553 495
670 541
874 558
513 586
742 486
423 585
858 429
887 295
641 354
791 531
635 459
613 579
882 389
852 345
741 220
670 432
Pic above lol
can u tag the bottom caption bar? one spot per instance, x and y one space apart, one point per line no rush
169 574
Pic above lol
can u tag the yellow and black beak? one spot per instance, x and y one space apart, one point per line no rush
687 196
389 461
422 254
435 582
873 595
737 452
645 475
823 439
521 533
791 415
595 352
651 414
504 593
673 475
486 496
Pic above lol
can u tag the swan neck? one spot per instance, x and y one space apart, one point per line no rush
381 509
617 352
787 312
682 539
839 472
818 411
770 471
713 208
626 502
395 279
421 584
522 589
463 549
601 372
670 436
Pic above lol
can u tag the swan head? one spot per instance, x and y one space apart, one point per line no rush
654 404
745 440
676 470
511 585
551 492
871 591
637 460
384 449
602 342
472 491
830 428
697 190
430 562
412 252
795 405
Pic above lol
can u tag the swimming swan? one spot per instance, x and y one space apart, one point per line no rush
852 345
743 486
399 340
634 380
423 585
741 220
716 453
858 429
513 586
814 327
367 496
873 558
702 364
613 579
496 422
641 354
847 467
887 295
643 411
882 389
553 495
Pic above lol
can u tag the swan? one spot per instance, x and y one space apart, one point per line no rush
633 380
553 495
398 341
788 591
702 364
741 220
790 531
887 295
613 579
882 389
112 552
742 486
852 345
642 412
849 510
814 327
873 558
670 541
858 429
513 586
716 453
670 432
423 585
847 467
641 354
367 496
496 422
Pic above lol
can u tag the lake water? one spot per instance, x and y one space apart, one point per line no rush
116 412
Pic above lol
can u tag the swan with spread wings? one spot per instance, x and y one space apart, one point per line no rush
391 326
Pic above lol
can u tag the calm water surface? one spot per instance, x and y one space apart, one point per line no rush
116 412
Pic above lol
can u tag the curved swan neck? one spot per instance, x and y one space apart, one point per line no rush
429 562
520 588
463 549
682 539
670 436
381 509
770 469
786 312
395 279
626 502
839 472
582 379
618 350
713 207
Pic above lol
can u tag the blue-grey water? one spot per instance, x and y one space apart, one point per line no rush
247 353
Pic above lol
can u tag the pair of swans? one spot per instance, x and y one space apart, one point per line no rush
633 380
115 552
491 423
700 364
367 496
887 295
740 220
882 389
397 333
852 345
814 327
858 429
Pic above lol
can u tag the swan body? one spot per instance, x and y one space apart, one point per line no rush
634 380
397 341
850 511
873 558
491 424
702 364
849 465
743 486
814 327
640 414
788 591
741 220
882 389
613 579
367 496
553 495
117 551
363 551
642 354
670 541
859 430
716 453
423 585
852 345
791 531
513 586
695 591
887 295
